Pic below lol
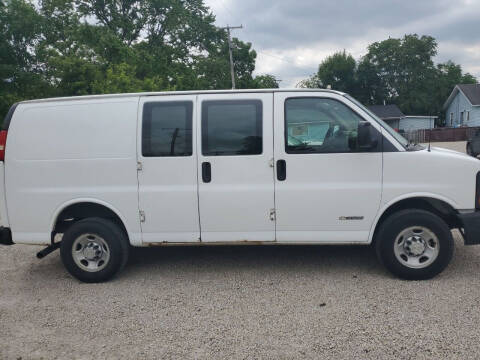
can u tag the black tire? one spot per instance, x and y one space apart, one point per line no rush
114 237
398 222
470 150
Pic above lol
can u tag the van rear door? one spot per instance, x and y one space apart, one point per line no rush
235 159
167 179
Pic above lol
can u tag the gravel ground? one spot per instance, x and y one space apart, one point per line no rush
241 302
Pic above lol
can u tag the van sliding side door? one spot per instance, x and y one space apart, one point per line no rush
236 178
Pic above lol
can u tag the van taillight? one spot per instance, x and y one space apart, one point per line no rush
3 143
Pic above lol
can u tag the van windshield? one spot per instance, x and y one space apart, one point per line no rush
404 142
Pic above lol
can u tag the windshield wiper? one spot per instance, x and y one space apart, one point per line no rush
414 147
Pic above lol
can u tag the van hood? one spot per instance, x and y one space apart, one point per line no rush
441 173
440 150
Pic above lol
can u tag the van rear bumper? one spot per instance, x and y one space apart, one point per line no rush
471 227
5 236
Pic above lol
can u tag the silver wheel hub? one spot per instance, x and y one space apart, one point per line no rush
90 252
416 247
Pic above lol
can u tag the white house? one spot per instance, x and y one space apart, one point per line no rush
463 106
394 117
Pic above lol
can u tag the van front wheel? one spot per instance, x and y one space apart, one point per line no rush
94 249
470 150
414 244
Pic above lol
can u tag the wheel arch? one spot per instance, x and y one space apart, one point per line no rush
77 209
440 206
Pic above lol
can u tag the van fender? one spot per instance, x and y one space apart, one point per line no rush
65 204
392 202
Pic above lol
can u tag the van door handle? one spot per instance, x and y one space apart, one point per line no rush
206 172
281 170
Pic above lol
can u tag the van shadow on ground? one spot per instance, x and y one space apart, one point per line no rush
336 260
332 261
253 257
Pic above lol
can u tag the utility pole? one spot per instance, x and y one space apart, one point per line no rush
230 48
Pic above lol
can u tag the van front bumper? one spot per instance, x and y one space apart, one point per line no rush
471 227
5 236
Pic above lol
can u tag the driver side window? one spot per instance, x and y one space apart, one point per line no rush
320 125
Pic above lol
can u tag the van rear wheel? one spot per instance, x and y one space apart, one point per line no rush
414 244
94 250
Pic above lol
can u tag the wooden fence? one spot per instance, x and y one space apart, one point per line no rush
440 134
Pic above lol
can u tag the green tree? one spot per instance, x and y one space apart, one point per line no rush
337 71
265 82
174 42
313 82
121 78
79 47
394 71
406 69
371 85
20 33
402 71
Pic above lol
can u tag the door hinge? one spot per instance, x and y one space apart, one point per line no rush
271 163
142 216
272 214
139 166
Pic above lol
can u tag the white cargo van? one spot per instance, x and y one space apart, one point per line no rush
95 175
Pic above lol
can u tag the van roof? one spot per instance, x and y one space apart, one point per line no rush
164 93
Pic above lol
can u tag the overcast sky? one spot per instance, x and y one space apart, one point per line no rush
292 37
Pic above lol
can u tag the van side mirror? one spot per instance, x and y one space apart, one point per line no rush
364 136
